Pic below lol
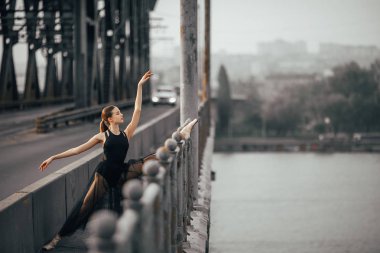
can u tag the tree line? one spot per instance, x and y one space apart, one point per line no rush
347 101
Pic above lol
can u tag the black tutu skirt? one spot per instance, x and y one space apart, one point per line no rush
102 192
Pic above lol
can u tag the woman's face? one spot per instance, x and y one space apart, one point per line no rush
117 116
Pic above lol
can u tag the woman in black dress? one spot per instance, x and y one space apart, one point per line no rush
108 172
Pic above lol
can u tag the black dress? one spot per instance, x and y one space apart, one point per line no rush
106 179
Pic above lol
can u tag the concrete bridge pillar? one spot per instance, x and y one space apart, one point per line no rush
189 77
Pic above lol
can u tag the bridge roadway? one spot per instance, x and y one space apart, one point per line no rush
22 150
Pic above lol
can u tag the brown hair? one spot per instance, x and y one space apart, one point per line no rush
106 113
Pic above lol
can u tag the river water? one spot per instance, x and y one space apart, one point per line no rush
295 202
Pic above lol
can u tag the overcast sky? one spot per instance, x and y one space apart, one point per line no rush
237 25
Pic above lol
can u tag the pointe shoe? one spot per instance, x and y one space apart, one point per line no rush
51 245
187 121
186 130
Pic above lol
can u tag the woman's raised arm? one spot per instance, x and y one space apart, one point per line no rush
73 151
130 129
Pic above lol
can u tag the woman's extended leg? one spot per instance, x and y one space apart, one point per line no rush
82 210
88 205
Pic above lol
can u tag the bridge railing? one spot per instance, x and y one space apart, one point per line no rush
157 211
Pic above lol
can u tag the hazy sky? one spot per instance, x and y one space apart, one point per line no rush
238 25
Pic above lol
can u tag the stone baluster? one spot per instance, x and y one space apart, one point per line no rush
172 147
102 228
151 169
182 186
163 156
132 192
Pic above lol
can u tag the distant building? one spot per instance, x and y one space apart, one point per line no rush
280 48
281 56
340 54
337 50
274 84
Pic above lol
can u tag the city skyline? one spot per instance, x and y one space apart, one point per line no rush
238 27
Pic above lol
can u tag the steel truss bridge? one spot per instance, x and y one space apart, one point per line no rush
101 48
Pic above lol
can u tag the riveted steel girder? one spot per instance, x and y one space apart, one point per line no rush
8 85
66 9
80 55
107 87
32 89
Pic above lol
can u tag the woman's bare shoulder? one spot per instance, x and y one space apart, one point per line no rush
99 136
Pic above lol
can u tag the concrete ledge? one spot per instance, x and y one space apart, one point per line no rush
76 183
146 140
198 234
197 239
134 147
18 207
49 207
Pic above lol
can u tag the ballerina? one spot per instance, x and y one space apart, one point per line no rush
108 173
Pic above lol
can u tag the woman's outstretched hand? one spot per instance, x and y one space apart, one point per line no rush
45 163
145 77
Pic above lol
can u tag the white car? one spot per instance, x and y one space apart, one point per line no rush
164 95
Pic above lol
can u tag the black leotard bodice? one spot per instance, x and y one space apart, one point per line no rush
115 150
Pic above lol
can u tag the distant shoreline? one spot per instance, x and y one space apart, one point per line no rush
252 144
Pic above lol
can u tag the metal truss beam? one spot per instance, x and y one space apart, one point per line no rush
32 89
8 85
80 55
108 89
66 19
